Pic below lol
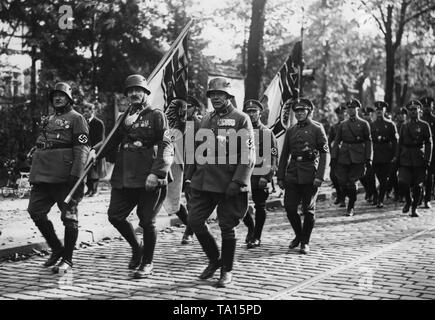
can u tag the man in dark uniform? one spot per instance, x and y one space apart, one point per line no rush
414 154
221 179
259 189
192 126
96 137
351 152
307 144
369 180
141 170
340 111
393 182
57 163
384 135
428 104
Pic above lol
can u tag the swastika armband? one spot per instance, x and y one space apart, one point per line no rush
250 143
324 148
80 139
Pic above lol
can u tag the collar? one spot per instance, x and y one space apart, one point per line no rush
91 118
303 123
63 110
138 108
352 119
224 110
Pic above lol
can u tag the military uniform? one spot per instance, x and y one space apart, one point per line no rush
393 182
430 119
414 154
260 193
307 146
57 163
332 174
144 153
369 180
143 149
351 150
221 180
96 135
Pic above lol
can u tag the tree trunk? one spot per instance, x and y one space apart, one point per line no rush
389 79
255 51
324 84
33 90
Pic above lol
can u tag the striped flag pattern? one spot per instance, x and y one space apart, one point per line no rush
284 86
171 81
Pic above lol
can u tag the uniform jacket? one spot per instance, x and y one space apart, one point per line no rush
218 170
261 132
415 144
143 148
430 119
384 135
62 148
307 146
353 142
96 131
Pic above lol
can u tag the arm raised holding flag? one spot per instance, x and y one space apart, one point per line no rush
156 83
143 159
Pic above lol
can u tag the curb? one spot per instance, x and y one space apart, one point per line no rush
88 236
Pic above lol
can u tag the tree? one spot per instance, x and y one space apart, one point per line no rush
255 67
392 18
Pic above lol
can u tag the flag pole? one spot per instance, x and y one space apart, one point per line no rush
120 119
301 65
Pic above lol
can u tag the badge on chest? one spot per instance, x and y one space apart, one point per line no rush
226 122
65 124
142 124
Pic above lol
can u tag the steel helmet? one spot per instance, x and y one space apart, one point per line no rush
136 80
219 84
62 87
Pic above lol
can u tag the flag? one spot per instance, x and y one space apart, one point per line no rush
170 82
284 86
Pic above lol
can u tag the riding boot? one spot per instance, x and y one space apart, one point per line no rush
47 230
228 252
210 248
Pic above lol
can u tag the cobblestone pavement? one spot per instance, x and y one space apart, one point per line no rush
376 254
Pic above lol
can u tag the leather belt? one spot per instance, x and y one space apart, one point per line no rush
381 142
301 159
135 145
53 145
353 142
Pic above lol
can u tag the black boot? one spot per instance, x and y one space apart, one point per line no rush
343 197
416 193
71 235
307 228
188 233
209 245
295 221
228 251
47 230
249 222
126 230
352 199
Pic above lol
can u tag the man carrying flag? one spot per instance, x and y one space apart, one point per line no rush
140 176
